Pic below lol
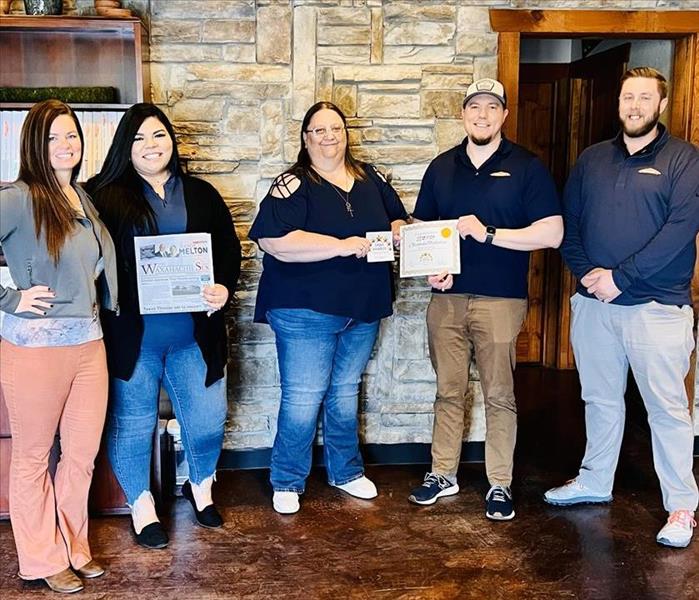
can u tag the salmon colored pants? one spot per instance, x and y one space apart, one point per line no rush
47 389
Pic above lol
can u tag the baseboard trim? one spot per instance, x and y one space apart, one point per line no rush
374 454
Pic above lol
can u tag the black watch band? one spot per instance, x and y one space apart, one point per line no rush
489 234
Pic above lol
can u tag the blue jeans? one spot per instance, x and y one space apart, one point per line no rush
133 415
321 360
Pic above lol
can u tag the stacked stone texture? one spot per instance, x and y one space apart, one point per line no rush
236 78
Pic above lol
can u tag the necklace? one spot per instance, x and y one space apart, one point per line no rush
345 198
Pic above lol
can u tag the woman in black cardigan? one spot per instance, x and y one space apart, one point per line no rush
142 190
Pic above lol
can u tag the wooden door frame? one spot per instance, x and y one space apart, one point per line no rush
680 26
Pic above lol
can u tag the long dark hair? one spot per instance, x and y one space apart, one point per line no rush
118 189
302 166
52 210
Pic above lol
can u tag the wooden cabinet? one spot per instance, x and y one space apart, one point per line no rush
72 52
5 452
106 496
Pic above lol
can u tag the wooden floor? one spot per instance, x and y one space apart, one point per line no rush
338 547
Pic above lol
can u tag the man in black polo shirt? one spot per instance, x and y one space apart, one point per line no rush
632 216
506 204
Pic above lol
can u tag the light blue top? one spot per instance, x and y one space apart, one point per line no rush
171 217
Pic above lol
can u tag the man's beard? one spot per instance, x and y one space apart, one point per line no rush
644 129
484 141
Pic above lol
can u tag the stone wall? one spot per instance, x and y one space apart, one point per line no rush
236 78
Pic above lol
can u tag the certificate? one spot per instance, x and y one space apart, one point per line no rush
171 271
429 248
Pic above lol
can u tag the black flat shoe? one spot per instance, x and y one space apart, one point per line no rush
152 536
209 517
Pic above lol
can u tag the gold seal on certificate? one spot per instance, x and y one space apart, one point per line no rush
429 248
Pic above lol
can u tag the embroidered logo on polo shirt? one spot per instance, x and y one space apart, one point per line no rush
500 174
650 171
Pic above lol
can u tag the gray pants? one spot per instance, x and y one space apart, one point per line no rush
656 341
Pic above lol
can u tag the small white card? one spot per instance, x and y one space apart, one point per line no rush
381 246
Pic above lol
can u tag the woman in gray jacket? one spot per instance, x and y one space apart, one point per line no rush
53 371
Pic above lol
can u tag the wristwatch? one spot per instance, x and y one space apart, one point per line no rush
489 234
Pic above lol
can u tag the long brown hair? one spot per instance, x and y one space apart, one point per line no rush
302 166
53 212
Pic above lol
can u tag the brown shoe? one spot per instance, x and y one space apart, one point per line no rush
90 570
64 582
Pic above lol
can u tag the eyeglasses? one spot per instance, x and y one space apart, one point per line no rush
321 132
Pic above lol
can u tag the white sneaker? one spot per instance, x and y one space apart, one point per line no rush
359 488
286 503
678 529
574 492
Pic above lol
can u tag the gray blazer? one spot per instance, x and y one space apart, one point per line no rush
30 263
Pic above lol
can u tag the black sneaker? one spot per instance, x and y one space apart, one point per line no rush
435 486
499 504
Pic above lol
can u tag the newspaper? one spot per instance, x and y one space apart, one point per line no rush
171 271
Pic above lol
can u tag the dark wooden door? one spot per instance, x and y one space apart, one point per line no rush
542 128
593 116
596 80
562 109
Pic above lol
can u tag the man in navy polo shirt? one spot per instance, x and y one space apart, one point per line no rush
632 216
506 205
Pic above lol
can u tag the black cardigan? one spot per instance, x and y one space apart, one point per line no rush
123 333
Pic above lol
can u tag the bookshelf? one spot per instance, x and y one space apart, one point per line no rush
58 51
74 51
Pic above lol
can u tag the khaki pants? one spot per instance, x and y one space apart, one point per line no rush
46 389
454 321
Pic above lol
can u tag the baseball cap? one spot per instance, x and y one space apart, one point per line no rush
486 86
